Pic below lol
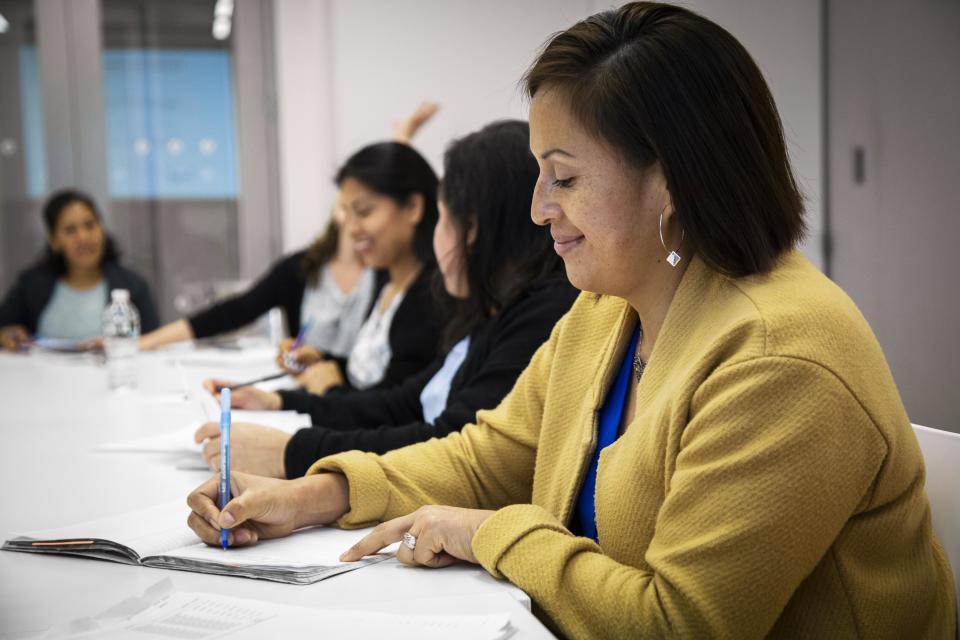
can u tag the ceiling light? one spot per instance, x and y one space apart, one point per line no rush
221 28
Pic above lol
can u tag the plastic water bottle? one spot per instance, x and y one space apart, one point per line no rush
121 329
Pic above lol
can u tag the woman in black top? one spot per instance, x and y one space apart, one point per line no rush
79 268
329 262
388 199
508 289
326 284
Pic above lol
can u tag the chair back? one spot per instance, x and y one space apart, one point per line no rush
941 455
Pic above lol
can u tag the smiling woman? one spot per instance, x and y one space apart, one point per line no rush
388 199
64 294
705 447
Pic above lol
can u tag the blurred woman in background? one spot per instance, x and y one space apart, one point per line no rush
64 294
387 199
326 284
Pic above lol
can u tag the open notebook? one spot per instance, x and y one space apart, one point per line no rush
159 537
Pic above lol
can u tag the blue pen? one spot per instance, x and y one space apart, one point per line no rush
288 358
224 458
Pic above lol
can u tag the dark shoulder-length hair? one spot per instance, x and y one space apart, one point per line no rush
488 182
660 83
53 208
398 171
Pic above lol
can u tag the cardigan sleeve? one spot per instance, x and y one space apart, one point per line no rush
382 420
414 334
368 420
487 465
361 409
776 457
282 286
13 309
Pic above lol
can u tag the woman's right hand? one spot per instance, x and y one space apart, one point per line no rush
249 397
296 361
404 130
13 337
264 508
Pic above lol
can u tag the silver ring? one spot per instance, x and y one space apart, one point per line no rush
409 541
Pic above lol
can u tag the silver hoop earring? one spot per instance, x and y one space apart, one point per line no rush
673 257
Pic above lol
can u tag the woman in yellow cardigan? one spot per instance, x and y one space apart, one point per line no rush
710 444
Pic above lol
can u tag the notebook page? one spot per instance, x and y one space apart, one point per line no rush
317 546
147 531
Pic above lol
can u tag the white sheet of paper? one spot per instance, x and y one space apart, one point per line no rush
199 616
252 357
307 547
285 383
181 440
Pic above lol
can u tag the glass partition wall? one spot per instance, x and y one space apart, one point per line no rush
136 102
22 158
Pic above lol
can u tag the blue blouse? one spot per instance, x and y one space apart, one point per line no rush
434 396
611 414
74 314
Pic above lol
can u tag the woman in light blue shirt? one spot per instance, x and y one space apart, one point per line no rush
64 294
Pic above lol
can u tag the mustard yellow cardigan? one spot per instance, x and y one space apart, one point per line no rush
769 485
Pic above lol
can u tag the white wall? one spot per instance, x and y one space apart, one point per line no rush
358 65
305 121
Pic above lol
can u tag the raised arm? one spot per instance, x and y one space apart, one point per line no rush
404 130
277 288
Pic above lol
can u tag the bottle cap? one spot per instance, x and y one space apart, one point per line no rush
120 295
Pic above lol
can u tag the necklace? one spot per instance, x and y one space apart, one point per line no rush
639 365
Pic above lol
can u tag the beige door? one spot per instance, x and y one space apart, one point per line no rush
894 187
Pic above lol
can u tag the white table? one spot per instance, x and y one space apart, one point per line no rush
54 409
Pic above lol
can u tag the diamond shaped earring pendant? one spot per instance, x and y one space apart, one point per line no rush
673 258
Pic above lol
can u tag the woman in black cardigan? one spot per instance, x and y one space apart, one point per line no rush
64 294
509 291
387 197
326 283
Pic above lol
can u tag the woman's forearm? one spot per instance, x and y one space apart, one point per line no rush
177 331
324 498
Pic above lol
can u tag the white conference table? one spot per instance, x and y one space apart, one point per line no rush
54 409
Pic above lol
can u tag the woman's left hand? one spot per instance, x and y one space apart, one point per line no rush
443 536
320 377
253 448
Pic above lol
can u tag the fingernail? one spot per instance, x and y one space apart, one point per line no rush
241 536
227 520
